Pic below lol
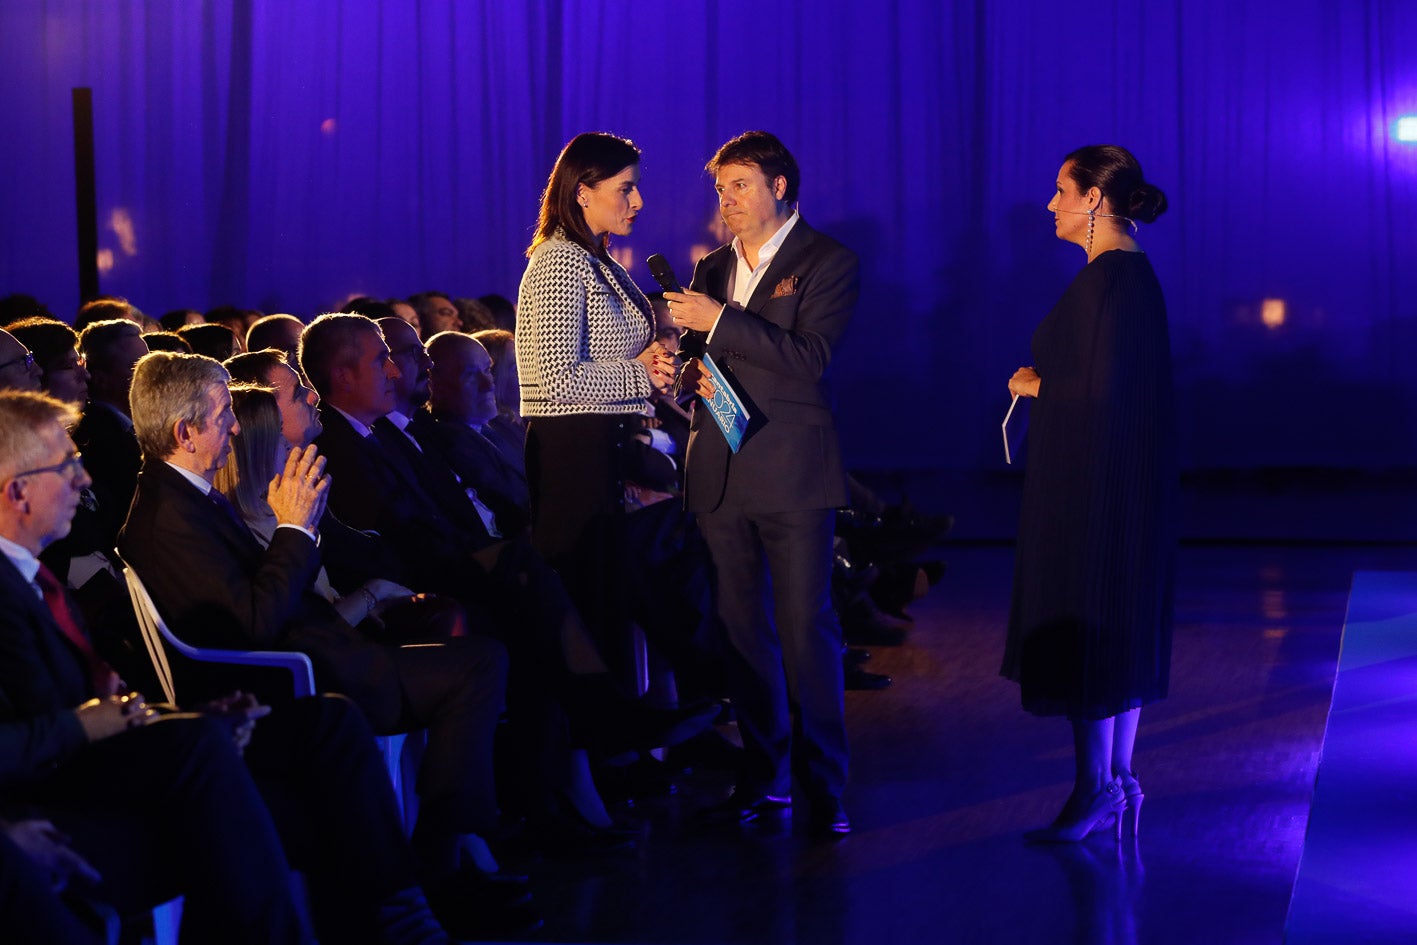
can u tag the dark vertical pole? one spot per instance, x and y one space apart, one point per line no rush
85 194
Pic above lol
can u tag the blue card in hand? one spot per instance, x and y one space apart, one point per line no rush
726 406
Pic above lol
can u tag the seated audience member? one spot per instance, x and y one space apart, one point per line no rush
79 556
269 367
462 402
408 313
217 586
156 805
667 570
507 429
504 313
447 537
350 556
106 308
473 315
542 766
436 312
380 607
105 434
281 332
215 341
56 349
17 305
19 369
166 341
369 308
175 319
237 319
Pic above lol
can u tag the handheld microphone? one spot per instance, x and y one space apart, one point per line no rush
663 273
691 343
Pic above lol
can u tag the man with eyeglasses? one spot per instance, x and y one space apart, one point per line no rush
18 369
158 805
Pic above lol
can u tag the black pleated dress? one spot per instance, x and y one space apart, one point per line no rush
1090 626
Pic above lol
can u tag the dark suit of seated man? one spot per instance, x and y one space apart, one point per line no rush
462 400
162 805
105 433
217 586
448 539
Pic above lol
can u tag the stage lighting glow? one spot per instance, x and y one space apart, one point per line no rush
1405 129
1272 313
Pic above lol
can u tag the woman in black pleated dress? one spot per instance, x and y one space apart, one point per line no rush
1090 628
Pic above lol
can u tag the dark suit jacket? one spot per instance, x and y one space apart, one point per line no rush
216 586
777 350
426 519
42 679
478 463
112 458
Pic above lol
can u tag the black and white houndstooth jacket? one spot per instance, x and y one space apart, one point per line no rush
580 323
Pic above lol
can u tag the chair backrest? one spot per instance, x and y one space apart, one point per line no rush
157 638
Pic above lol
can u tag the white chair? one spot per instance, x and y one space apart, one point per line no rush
157 637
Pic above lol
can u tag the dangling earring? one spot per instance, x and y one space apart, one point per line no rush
1091 222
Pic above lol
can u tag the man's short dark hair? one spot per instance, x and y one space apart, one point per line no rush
331 341
49 339
765 151
214 340
266 331
255 367
97 341
103 309
166 341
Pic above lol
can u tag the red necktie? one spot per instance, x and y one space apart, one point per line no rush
54 598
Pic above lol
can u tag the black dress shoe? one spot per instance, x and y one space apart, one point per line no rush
745 808
857 678
829 820
854 656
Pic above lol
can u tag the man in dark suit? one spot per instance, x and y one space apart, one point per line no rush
384 480
313 759
217 586
111 349
770 308
462 400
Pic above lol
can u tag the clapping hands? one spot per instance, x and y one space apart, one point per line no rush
298 493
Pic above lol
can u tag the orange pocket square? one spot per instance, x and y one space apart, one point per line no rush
785 288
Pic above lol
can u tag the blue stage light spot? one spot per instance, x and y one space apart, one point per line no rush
1405 129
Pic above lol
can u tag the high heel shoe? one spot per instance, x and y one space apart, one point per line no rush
1131 787
1103 811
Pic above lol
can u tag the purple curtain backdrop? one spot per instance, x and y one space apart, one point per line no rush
286 156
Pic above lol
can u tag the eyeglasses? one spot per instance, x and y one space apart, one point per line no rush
68 467
27 357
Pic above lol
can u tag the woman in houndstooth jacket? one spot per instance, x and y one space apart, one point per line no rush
587 363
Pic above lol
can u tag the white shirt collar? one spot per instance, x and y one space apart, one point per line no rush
363 431
24 562
769 249
202 485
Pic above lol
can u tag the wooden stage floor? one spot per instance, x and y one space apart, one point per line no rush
947 773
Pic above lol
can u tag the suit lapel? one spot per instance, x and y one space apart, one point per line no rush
232 531
68 683
783 264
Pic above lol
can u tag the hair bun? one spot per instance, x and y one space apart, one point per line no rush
1146 203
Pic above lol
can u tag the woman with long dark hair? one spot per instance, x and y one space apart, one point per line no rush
1090 628
587 364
